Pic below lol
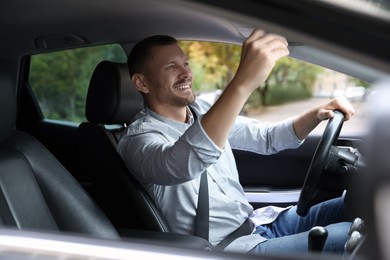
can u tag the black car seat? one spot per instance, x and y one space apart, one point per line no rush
36 191
112 102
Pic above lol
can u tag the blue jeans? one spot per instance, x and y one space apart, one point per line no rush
289 232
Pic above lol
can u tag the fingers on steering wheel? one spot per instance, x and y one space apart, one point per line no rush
325 114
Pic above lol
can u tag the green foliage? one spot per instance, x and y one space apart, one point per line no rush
60 79
290 80
359 82
213 64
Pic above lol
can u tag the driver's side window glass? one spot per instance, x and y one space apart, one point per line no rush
292 87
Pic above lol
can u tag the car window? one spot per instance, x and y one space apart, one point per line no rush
293 86
60 79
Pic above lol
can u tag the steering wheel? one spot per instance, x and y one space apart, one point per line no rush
318 163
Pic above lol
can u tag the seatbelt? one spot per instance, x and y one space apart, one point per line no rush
245 229
203 211
202 218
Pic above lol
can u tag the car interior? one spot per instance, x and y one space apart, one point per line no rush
62 177
30 181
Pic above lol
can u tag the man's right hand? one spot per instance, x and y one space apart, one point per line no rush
260 52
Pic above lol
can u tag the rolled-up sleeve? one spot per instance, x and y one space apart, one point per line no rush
157 156
202 145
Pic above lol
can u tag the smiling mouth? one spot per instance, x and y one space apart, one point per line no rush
181 87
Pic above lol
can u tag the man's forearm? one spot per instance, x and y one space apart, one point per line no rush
305 123
218 121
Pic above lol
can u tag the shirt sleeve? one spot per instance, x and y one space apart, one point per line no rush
264 138
160 158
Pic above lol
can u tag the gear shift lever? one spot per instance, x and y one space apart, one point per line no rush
317 238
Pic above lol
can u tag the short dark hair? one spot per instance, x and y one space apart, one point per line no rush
141 51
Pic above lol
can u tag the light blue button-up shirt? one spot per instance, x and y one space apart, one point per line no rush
168 158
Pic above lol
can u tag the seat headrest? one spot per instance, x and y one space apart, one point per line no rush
111 98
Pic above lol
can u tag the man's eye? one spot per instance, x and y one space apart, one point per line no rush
170 67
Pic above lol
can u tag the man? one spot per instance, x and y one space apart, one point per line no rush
178 137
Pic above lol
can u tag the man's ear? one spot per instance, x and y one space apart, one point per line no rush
139 82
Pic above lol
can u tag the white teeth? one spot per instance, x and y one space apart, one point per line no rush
183 87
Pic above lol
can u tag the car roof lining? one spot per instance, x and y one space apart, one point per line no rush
187 20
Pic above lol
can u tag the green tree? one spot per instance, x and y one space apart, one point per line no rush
290 79
60 79
362 83
214 65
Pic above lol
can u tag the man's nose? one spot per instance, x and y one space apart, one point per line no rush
185 72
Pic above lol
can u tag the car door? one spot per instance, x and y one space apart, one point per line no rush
294 86
277 179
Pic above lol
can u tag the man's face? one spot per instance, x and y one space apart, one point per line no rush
169 77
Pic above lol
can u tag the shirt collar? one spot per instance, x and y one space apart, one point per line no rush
191 116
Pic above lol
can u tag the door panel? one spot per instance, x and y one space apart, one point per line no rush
277 179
